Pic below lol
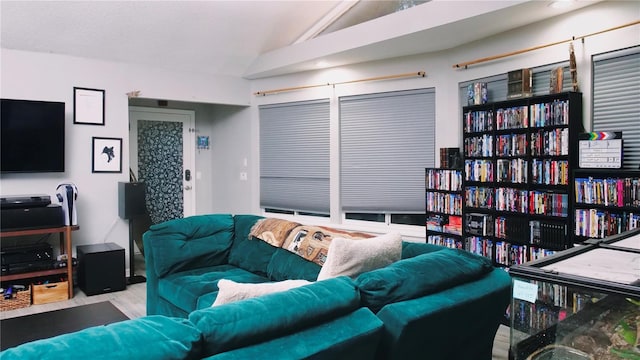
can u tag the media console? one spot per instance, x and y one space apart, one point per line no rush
65 248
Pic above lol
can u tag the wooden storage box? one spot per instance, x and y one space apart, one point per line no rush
519 83
20 299
46 293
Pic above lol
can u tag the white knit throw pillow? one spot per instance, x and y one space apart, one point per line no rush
353 257
230 291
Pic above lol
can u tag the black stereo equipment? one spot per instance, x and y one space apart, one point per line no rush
49 216
131 199
24 201
22 259
101 268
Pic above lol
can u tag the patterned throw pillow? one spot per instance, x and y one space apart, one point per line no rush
308 241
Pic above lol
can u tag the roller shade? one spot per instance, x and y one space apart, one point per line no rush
386 141
294 156
616 94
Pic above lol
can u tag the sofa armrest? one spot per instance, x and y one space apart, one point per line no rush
457 323
150 337
185 244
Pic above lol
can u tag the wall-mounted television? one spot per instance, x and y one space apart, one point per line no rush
31 136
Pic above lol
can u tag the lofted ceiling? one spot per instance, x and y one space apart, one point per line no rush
255 39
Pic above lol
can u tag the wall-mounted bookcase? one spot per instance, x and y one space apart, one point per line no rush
517 179
443 205
607 202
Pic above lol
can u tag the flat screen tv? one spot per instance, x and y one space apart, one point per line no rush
31 136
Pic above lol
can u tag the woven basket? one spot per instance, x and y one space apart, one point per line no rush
19 300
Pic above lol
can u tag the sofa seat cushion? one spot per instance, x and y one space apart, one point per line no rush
149 337
184 289
419 276
251 321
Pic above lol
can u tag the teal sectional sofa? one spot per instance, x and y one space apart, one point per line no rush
431 303
323 320
435 302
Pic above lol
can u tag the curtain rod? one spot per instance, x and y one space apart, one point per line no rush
517 52
387 77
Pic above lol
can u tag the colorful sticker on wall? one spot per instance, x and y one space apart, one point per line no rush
203 142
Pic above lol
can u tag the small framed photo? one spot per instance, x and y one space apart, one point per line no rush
88 106
106 155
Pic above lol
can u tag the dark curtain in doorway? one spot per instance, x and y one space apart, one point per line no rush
160 168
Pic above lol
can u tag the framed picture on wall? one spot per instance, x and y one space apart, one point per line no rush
88 106
106 155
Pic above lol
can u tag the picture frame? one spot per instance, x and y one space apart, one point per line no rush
106 155
88 106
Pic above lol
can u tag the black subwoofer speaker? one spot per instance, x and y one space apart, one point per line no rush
131 199
101 268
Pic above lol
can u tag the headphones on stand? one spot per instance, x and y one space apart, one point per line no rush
67 194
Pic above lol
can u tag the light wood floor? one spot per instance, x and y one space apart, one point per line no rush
132 302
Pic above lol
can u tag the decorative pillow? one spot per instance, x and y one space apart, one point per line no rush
353 257
273 231
308 241
231 291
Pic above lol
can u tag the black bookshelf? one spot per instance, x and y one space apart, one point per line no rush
443 207
607 202
517 181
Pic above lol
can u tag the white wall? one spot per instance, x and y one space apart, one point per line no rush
39 76
445 78
234 129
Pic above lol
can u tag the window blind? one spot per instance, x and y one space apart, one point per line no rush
294 156
386 141
616 90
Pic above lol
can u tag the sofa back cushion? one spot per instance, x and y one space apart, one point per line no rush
248 252
149 337
192 242
419 276
411 249
285 265
251 321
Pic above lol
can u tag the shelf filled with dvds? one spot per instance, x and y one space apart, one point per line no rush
607 202
517 176
443 206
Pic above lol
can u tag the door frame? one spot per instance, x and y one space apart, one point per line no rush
187 117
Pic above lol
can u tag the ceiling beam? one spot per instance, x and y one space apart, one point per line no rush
331 17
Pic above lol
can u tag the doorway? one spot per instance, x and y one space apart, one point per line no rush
162 155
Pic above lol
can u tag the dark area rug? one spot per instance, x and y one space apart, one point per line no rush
22 329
